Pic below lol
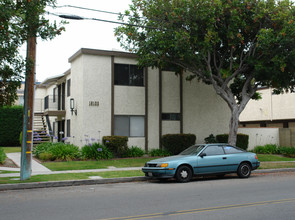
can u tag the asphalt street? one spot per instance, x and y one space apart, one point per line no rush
262 196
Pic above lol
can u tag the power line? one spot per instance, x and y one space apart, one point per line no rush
88 9
76 17
96 10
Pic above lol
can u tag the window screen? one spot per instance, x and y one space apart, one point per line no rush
130 126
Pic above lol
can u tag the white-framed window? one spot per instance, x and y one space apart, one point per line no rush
129 125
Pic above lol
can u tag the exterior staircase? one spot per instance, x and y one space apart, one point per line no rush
40 133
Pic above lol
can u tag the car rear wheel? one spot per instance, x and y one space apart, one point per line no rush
183 174
244 170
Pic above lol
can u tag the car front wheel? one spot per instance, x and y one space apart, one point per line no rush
183 174
244 170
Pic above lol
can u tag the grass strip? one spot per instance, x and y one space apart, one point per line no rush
73 176
278 165
6 171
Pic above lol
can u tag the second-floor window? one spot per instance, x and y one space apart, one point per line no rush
68 87
128 75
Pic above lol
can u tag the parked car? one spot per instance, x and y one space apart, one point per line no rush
203 159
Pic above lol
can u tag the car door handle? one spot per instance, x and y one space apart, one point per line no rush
224 158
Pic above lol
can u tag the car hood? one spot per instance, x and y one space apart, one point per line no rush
169 159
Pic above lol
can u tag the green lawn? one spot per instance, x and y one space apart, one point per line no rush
11 149
272 157
101 164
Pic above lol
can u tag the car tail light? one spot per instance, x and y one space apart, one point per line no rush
256 157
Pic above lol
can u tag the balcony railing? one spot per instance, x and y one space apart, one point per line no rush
50 105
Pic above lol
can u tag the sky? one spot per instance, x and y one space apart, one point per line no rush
52 56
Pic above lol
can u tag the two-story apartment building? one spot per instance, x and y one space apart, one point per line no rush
105 93
270 111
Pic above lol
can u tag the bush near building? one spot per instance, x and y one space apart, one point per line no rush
56 151
176 143
11 121
274 149
2 156
116 144
96 151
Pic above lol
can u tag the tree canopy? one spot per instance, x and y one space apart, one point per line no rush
17 20
236 46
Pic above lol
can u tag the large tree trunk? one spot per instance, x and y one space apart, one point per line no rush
233 126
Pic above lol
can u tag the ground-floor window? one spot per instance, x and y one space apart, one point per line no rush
128 125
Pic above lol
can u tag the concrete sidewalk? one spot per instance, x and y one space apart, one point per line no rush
16 158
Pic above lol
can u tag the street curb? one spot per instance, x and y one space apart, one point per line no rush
19 186
69 183
274 170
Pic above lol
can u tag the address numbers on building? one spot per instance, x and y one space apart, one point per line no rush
93 103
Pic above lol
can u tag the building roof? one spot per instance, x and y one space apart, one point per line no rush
101 53
52 80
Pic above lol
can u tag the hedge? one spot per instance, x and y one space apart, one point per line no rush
116 144
176 143
11 121
242 140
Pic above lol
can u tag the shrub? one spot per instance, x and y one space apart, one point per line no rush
96 151
42 148
116 144
270 149
266 149
287 151
176 143
2 156
242 140
59 151
159 153
11 121
259 150
46 156
210 139
134 152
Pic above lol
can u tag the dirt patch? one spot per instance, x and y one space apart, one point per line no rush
9 163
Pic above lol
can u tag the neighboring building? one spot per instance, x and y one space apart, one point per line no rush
20 94
109 95
270 111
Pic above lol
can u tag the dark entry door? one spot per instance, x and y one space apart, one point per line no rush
61 130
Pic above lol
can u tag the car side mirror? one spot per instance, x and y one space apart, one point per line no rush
203 155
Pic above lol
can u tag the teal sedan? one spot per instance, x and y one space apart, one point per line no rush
203 159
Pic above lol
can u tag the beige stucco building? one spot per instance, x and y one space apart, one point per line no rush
111 96
270 111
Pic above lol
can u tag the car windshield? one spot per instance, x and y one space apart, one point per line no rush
192 150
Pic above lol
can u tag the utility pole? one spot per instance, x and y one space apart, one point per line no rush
28 117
